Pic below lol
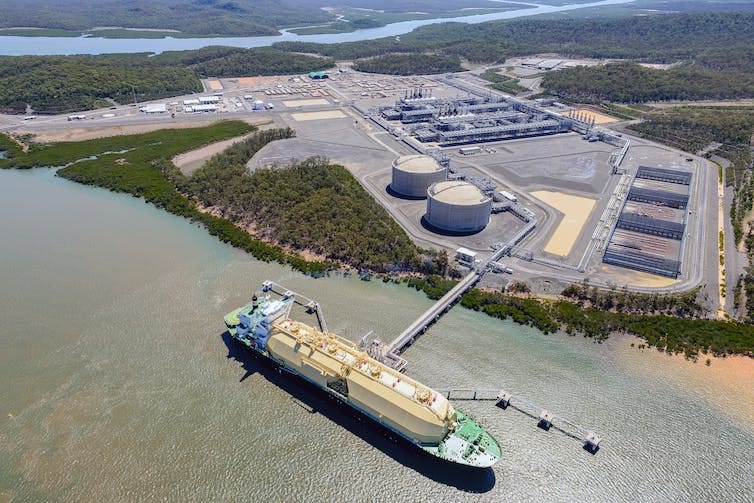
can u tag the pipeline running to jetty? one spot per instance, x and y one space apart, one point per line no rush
390 355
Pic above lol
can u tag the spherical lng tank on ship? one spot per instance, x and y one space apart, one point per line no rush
413 174
457 206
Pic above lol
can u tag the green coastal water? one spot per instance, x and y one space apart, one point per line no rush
122 388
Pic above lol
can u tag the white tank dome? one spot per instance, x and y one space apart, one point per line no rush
457 206
413 174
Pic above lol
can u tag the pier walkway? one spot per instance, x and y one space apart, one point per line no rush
545 419
433 313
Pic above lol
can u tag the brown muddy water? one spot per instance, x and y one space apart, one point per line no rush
118 385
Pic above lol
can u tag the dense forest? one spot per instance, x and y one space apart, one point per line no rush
631 83
666 38
218 61
312 205
60 84
409 64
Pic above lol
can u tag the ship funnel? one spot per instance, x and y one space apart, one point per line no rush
254 302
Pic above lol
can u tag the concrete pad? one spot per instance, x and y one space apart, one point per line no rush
576 211
306 103
313 116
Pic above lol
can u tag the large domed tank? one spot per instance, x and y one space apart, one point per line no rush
413 174
457 206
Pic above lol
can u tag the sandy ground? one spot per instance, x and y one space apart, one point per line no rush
621 276
305 103
727 383
81 134
188 162
215 85
313 116
598 117
576 211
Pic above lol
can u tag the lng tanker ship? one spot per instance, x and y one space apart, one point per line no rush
413 411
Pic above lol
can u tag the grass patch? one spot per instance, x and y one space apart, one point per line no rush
9 148
502 82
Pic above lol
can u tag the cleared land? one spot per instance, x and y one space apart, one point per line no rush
215 85
313 116
598 117
82 134
305 103
576 211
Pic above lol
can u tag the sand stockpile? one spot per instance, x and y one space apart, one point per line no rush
575 210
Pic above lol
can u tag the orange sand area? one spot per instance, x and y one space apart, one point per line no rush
598 117
575 210
215 85
621 276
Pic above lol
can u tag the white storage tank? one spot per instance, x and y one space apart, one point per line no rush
413 174
457 206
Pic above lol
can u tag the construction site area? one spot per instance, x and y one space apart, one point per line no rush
549 191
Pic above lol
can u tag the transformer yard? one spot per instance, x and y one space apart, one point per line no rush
553 192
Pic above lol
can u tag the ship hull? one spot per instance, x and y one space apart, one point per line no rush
336 366
281 366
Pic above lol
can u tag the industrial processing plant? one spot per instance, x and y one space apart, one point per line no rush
458 121
546 188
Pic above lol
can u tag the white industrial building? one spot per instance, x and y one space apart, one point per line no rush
413 174
207 100
457 206
156 108
204 108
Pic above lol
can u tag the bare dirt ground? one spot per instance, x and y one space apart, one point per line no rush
81 134
188 162
598 117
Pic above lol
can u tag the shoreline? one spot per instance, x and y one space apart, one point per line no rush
726 384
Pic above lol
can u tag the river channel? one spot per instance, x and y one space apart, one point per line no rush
118 385
39 46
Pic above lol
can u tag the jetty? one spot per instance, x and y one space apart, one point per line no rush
390 355
545 419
